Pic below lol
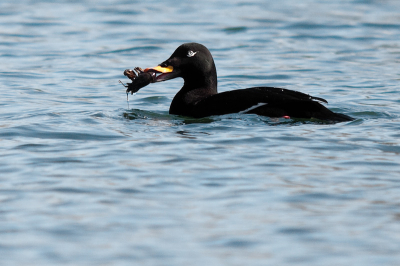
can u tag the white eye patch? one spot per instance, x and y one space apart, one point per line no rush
191 54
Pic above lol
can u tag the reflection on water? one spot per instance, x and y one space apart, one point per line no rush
87 179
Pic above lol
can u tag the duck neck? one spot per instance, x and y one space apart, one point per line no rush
200 87
205 81
193 91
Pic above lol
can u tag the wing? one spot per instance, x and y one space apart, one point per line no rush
266 101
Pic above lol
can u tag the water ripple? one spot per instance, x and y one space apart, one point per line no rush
87 179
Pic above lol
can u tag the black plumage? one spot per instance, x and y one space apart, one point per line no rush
199 96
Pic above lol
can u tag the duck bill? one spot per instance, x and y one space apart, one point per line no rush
162 73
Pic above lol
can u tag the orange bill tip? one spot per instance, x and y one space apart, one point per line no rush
160 69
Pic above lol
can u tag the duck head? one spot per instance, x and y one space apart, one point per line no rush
191 61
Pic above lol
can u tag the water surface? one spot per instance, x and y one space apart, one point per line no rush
87 180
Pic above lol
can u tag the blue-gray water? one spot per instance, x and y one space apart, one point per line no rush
85 180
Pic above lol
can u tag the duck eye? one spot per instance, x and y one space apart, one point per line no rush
191 53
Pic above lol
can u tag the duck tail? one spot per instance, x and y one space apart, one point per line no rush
341 117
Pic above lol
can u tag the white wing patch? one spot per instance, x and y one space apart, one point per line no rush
191 53
252 108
